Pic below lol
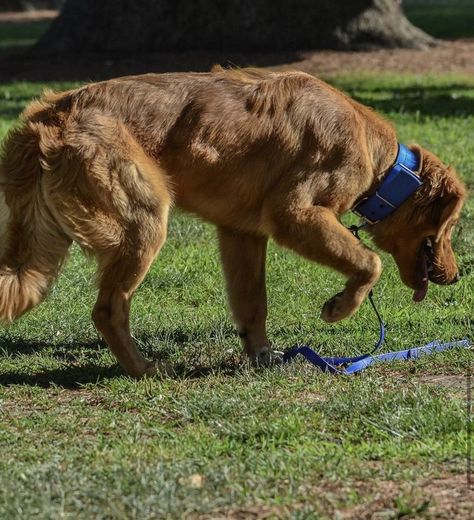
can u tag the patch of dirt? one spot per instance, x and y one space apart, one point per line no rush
456 384
260 512
27 16
61 401
450 56
446 497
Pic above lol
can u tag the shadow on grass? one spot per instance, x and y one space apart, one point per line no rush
13 347
72 376
17 65
10 113
450 100
67 377
448 19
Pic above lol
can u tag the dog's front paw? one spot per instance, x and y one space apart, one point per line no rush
337 308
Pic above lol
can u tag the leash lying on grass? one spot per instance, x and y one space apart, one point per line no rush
352 365
335 365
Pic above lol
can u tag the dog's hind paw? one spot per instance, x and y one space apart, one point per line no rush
150 370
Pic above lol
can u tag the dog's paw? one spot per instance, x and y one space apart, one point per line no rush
337 308
150 370
267 358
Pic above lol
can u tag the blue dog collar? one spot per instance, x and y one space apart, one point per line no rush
400 182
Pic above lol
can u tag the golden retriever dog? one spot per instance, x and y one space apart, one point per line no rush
259 154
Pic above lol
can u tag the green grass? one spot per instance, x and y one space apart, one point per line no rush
21 34
80 440
442 18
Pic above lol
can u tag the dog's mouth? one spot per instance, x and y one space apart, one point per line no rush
424 269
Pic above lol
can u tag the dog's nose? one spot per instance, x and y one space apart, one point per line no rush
456 278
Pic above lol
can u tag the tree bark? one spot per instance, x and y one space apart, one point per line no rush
128 26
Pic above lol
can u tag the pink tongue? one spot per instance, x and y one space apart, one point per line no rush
420 294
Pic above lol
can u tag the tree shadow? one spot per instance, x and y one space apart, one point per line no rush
21 65
449 100
11 113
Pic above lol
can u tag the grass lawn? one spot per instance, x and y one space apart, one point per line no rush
442 18
217 438
21 35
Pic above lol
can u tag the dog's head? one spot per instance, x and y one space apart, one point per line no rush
418 234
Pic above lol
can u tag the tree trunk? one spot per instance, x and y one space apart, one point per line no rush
112 26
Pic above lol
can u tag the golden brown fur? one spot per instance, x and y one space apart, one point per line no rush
259 154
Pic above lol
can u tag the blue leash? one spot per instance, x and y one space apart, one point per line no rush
335 365
352 365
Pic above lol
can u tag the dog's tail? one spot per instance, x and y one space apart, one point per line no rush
32 245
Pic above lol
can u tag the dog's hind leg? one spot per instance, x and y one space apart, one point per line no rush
121 270
243 261
120 276
123 263
315 233
114 203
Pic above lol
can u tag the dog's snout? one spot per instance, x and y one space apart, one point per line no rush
456 278
442 279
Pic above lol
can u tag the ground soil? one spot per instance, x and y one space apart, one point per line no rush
443 498
27 16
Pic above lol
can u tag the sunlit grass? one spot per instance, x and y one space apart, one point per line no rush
80 440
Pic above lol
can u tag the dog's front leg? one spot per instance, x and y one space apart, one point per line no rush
243 261
316 233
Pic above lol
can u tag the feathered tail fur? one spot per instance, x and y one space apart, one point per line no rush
32 245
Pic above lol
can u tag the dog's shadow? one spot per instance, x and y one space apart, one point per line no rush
74 375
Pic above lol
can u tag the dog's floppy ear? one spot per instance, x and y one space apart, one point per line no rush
450 212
